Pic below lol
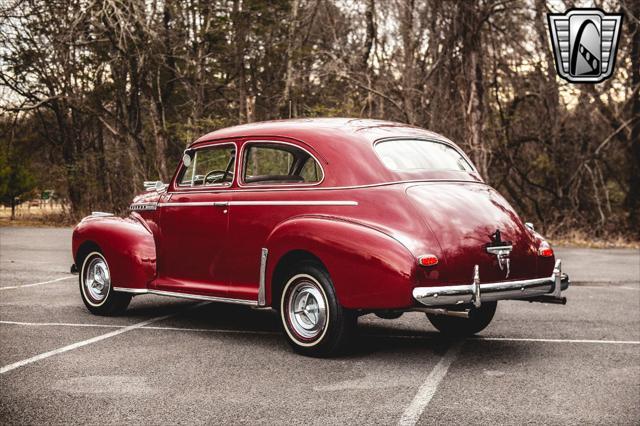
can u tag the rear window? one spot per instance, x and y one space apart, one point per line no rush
408 155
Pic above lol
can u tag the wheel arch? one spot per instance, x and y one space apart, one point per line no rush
369 269
286 263
127 245
86 248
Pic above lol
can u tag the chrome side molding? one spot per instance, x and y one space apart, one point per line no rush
143 206
101 214
262 295
186 295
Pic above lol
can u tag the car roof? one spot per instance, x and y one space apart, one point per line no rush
309 130
345 144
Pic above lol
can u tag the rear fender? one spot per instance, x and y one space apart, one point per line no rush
369 269
126 243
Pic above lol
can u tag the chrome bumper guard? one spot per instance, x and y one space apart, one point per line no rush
536 290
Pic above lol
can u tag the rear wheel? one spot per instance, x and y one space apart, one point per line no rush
313 320
96 289
479 319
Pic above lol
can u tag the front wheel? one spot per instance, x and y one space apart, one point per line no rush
313 320
96 289
479 319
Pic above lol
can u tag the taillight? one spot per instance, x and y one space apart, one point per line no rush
427 260
545 250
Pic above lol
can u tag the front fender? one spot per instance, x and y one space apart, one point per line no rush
126 243
369 269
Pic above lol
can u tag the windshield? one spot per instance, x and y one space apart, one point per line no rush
414 154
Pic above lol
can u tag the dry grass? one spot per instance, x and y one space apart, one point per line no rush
582 239
38 216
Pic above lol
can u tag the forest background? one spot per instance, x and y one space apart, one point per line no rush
97 96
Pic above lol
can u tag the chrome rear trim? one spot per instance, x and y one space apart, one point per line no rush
262 295
476 293
186 295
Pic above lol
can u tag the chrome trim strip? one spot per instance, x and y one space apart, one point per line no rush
143 206
101 214
189 204
499 249
262 296
186 295
131 290
293 203
332 188
476 293
259 203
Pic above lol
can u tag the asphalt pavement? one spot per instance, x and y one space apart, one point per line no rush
173 361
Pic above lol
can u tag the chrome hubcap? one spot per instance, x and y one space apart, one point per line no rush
97 279
307 310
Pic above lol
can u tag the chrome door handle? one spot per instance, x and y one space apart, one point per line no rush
221 204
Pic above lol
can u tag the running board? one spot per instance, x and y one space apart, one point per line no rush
186 296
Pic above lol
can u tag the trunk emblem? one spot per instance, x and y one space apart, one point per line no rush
501 249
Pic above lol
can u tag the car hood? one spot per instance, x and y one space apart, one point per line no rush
462 217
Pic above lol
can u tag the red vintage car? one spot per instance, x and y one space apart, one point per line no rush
322 220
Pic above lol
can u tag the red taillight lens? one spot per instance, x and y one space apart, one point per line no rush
545 250
428 260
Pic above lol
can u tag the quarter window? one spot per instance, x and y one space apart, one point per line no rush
267 164
211 166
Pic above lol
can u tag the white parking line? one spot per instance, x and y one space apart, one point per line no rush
35 284
412 413
63 324
76 345
524 339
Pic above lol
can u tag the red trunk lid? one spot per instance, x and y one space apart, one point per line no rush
463 217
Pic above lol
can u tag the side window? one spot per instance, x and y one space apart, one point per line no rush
211 166
273 163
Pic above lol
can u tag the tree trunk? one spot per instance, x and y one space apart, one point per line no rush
474 85
408 46
239 42
289 78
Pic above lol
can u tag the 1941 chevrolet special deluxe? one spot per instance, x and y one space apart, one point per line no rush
322 220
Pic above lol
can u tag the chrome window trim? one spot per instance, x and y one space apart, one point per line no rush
186 295
186 188
240 181
262 295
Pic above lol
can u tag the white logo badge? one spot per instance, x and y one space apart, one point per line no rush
584 43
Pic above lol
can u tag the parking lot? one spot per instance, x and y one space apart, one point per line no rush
177 361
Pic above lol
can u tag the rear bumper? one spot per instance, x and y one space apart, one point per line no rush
476 292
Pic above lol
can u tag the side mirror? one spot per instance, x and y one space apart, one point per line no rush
151 185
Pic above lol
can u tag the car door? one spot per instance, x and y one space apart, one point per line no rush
270 175
194 224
